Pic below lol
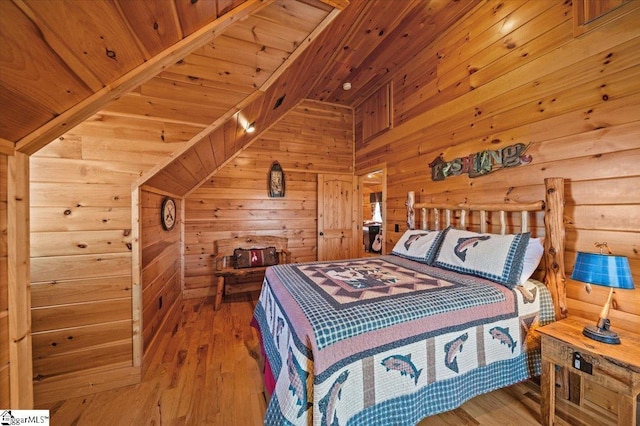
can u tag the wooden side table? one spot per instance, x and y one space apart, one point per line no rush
615 367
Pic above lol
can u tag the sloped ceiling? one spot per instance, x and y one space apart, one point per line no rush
213 65
186 60
367 42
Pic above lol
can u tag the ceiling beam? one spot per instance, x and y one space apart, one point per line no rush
7 147
338 4
85 109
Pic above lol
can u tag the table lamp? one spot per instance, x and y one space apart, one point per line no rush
605 270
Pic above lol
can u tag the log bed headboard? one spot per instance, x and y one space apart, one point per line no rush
553 207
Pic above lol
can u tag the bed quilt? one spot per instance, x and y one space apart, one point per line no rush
388 340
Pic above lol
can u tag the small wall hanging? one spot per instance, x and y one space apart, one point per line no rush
168 213
276 180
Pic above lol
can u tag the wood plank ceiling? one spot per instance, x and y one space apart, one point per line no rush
211 65
184 60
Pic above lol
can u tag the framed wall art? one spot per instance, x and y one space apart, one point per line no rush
276 180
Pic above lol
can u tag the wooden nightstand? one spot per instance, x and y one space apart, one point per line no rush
615 367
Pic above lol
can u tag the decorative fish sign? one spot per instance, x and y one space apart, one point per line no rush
464 244
298 383
412 239
480 163
502 334
327 405
402 364
452 349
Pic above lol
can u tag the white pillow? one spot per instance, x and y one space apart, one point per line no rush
417 244
532 256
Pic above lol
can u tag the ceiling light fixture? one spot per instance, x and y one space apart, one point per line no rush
251 127
346 86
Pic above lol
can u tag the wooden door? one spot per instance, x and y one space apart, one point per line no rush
337 214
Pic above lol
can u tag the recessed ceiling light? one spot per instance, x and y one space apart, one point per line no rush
346 86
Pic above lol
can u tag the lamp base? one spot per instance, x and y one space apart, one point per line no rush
602 334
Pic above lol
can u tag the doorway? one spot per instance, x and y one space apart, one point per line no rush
372 211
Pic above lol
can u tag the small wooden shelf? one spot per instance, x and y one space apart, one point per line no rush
615 367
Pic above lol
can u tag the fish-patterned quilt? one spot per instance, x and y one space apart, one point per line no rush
388 340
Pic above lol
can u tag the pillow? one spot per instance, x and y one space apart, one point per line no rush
417 244
248 258
498 258
532 256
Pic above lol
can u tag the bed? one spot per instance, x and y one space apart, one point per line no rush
448 315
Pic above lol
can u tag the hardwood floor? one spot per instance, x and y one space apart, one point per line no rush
206 373
203 375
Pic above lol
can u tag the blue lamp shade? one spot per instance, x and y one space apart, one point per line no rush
603 269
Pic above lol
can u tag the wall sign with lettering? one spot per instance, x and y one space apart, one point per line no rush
480 163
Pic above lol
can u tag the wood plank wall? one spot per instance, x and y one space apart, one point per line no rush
81 259
5 394
161 262
313 138
513 72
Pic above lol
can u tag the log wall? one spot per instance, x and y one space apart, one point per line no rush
516 74
313 138
81 252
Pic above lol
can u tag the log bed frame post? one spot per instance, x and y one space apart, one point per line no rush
555 279
554 242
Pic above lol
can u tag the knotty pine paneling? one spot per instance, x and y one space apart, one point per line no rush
101 44
313 138
376 41
99 52
517 75
5 393
81 242
155 24
64 89
78 291
116 354
160 264
376 113
224 81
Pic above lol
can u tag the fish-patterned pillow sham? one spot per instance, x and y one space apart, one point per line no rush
498 258
419 245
